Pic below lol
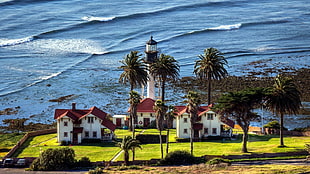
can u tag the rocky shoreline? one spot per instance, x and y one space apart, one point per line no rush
301 78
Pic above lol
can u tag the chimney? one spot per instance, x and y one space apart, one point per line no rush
73 106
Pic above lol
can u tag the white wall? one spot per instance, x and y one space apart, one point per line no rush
61 129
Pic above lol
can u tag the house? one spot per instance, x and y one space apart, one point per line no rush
120 120
208 124
74 125
146 114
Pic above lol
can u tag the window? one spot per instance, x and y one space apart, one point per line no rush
86 134
210 117
94 134
206 130
65 134
65 123
214 130
151 115
141 114
185 120
185 131
90 119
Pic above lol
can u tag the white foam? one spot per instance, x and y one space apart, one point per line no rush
101 19
10 42
226 27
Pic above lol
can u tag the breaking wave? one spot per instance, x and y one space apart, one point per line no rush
11 42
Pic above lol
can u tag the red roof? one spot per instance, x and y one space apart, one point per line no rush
78 114
146 105
202 109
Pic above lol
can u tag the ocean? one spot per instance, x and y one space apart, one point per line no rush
55 48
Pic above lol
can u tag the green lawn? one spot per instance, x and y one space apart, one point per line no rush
105 151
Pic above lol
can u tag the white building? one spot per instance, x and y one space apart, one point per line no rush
74 125
208 124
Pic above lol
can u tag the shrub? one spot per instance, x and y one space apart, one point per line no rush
179 157
182 139
54 159
148 139
84 162
97 170
218 161
90 140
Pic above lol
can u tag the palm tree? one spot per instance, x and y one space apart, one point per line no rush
135 73
210 66
238 106
170 116
283 98
160 111
193 101
134 100
127 144
163 68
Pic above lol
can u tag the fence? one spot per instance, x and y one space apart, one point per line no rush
26 136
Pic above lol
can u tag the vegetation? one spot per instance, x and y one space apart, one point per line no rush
179 157
126 145
193 101
15 124
239 106
170 116
210 66
134 100
160 109
54 159
135 73
283 98
163 68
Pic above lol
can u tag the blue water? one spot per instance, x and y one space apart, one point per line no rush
75 46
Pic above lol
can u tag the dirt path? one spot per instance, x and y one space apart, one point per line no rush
276 162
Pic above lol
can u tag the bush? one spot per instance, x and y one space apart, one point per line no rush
182 139
97 170
90 140
179 157
218 161
148 139
84 162
54 159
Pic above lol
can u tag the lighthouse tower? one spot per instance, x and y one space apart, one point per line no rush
150 57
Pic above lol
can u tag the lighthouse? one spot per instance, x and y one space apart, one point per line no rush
151 53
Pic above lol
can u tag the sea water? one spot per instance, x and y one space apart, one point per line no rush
50 49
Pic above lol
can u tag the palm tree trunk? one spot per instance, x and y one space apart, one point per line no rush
163 90
133 154
161 145
126 158
209 88
281 130
167 141
191 140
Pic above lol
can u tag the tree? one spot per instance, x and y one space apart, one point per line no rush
170 116
193 101
54 159
163 68
127 144
135 72
238 106
283 98
134 100
210 66
16 124
160 111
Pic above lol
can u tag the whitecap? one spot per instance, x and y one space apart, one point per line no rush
101 19
11 42
226 27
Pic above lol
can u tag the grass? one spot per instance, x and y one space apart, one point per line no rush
105 151
202 168
7 141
